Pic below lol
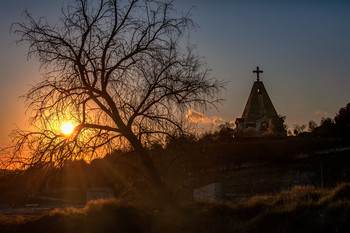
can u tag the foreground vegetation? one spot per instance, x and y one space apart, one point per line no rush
301 209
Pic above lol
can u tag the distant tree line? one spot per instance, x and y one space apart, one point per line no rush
337 127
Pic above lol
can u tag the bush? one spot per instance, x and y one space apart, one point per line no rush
98 216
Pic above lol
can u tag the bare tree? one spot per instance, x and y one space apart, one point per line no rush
118 72
311 125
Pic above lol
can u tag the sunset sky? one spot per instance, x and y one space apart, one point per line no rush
302 46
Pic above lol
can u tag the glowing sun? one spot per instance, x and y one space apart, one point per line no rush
67 128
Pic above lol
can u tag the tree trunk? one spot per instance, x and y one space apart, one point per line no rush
163 192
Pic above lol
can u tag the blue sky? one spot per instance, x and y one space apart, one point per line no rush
303 47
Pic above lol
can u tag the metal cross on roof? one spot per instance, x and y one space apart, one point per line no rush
257 71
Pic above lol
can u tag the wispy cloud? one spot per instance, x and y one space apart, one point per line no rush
321 113
197 117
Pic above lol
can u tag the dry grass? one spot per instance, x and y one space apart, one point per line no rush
301 209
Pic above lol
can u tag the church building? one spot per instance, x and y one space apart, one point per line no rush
259 110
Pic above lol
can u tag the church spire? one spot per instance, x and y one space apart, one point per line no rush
259 110
257 71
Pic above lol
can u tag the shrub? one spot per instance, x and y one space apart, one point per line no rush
98 216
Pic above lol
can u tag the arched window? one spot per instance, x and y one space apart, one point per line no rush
264 125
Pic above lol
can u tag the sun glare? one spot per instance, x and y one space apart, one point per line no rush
67 128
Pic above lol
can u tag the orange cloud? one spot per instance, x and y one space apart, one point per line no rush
218 120
197 117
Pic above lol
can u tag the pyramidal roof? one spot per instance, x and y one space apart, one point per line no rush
259 103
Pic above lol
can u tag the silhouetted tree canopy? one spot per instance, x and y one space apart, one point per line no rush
278 127
337 127
326 128
342 121
118 72
312 125
225 132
